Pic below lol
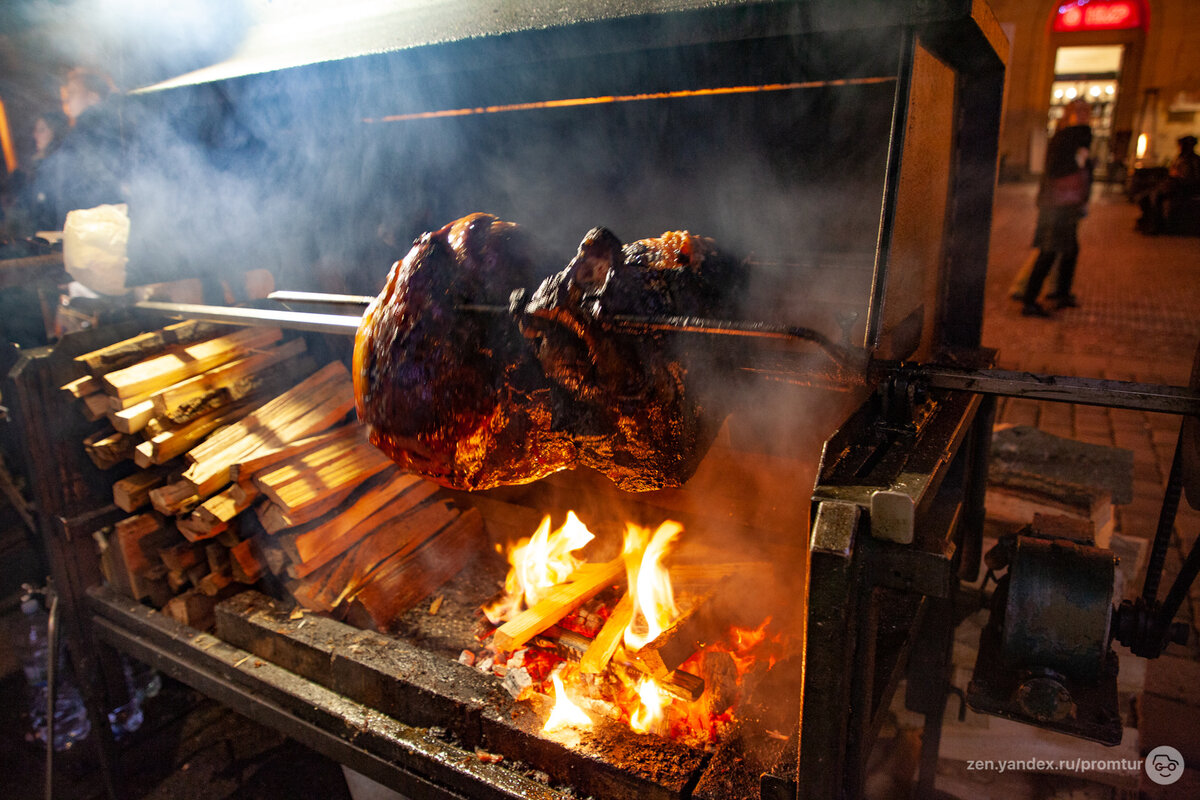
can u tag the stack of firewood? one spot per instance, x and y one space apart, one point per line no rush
241 471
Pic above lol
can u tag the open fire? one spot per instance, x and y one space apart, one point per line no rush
602 639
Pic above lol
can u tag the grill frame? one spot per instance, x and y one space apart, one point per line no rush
845 579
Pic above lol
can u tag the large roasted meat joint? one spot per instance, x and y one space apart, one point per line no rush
475 399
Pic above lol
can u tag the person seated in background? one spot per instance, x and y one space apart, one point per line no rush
1182 182
29 211
87 168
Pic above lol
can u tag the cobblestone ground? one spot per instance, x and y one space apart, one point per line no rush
1138 320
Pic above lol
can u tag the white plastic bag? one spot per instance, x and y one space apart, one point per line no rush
94 247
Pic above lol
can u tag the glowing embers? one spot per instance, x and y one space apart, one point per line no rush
611 641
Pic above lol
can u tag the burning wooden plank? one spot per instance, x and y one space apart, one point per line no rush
602 648
585 583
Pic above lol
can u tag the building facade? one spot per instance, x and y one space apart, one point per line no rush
1136 62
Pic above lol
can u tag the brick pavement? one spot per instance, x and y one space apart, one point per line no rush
1139 320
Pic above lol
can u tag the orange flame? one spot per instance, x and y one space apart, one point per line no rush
650 589
650 713
538 563
565 714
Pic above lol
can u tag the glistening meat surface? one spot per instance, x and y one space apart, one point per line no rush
479 400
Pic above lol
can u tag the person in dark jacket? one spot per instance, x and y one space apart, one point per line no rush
1062 202
87 169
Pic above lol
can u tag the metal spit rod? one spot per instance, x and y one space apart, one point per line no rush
347 324
1055 388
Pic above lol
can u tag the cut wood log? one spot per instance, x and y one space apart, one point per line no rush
192 608
82 387
132 419
174 498
147 345
403 580
213 516
180 556
108 448
236 378
600 651
94 407
217 556
399 537
735 601
212 583
275 519
133 492
138 540
314 405
583 584
244 470
397 496
174 443
306 479
172 367
246 562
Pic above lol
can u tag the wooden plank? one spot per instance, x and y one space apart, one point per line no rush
214 515
171 367
174 443
132 419
245 469
174 498
585 583
314 405
246 562
130 351
137 540
400 536
397 496
273 370
600 651
403 579
303 480
133 492
94 407
82 387
108 448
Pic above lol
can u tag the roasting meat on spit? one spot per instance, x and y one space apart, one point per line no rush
476 400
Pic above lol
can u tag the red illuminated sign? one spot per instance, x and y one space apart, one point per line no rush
1099 15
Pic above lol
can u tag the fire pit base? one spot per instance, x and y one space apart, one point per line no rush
427 690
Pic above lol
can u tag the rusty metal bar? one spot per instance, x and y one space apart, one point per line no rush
1065 389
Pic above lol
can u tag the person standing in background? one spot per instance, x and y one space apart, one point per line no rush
1062 202
87 169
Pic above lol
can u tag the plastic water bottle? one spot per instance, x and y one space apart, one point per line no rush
71 722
